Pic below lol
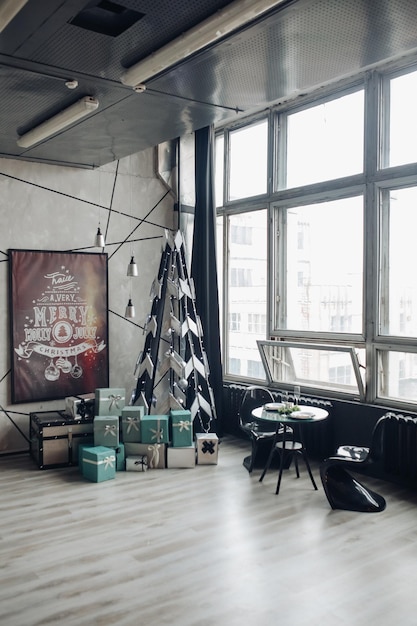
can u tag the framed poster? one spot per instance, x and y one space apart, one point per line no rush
59 324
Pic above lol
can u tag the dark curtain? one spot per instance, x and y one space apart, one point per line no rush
203 265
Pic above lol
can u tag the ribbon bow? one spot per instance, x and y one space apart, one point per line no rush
82 408
110 428
208 446
183 425
158 432
114 400
108 462
154 461
143 462
132 423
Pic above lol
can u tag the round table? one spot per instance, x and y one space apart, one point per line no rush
315 413
305 415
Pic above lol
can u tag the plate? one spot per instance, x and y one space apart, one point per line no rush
273 406
302 415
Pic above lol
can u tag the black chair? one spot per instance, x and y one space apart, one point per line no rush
288 450
258 434
342 490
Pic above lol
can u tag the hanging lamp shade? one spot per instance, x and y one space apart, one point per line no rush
132 268
130 309
99 240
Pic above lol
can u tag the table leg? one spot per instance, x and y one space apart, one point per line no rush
271 454
305 457
281 464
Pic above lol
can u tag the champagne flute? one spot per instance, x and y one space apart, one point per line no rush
297 392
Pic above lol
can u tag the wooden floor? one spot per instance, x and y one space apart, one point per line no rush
200 547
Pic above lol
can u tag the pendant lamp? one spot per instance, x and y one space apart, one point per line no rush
99 240
130 309
132 268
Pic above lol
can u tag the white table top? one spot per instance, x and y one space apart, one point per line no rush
306 414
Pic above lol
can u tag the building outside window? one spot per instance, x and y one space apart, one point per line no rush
257 323
234 322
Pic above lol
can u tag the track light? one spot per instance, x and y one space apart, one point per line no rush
130 309
8 10
132 268
222 23
58 122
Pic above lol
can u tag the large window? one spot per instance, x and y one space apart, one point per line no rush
328 260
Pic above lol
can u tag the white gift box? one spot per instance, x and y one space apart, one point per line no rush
137 463
156 453
207 445
181 457
73 405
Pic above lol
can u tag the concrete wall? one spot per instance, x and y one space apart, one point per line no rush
46 207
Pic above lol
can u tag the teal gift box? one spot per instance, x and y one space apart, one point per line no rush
131 419
87 444
155 429
110 400
106 430
181 428
120 458
98 463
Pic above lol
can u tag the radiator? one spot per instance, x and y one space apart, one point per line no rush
317 437
399 454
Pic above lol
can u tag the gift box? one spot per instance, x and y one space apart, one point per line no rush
131 418
155 429
137 463
156 453
120 458
81 448
80 407
181 428
110 400
106 430
98 463
181 457
207 445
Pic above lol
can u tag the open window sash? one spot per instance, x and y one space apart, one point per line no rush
333 368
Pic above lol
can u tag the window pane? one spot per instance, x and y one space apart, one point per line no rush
187 170
220 265
219 169
397 375
324 267
248 161
247 291
403 119
398 275
325 141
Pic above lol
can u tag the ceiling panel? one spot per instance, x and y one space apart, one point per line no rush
297 47
125 127
308 44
